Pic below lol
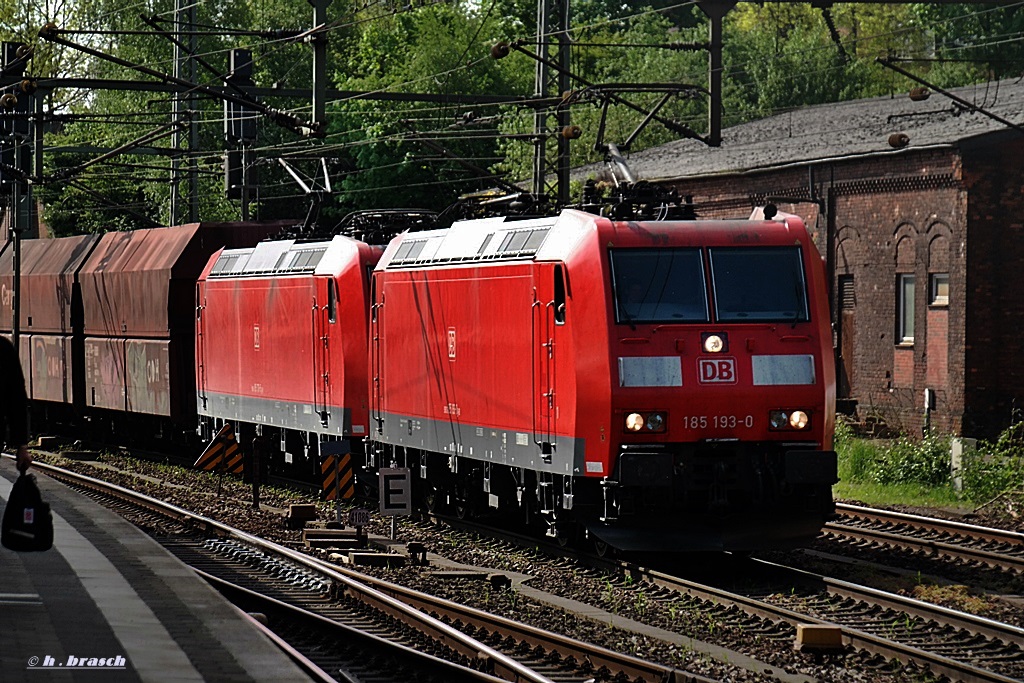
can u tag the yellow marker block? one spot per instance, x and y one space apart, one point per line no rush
818 637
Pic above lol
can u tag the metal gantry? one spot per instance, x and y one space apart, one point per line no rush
551 172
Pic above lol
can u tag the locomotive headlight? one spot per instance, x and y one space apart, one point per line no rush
788 419
798 419
713 343
656 422
645 422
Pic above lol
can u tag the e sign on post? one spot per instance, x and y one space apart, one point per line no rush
395 491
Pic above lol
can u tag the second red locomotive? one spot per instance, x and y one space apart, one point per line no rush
281 344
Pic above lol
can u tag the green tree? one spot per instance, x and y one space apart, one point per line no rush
398 153
971 42
443 50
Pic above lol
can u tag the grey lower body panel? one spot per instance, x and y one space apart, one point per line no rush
281 414
488 444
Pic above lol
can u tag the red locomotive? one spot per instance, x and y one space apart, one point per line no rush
281 343
656 384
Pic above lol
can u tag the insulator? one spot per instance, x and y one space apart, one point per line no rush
572 132
8 101
23 52
899 140
28 86
48 31
500 50
919 93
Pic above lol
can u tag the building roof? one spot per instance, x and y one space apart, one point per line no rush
830 131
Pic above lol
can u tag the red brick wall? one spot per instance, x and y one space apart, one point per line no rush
994 343
903 368
915 196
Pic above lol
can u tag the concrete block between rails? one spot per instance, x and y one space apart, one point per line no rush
818 637
299 514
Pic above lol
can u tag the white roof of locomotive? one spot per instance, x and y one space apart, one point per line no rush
489 240
285 257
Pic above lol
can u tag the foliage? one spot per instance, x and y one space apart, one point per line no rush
856 456
993 468
906 460
124 206
972 42
985 471
900 461
777 56
442 50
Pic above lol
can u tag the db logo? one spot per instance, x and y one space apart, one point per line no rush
717 370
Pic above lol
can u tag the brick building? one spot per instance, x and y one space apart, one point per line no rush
918 209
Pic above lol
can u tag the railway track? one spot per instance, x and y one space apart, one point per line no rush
318 598
921 635
985 546
960 646
888 627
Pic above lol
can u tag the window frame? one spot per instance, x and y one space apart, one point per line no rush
902 308
618 273
934 299
718 278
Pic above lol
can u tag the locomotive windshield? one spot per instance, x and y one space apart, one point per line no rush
749 284
659 285
763 284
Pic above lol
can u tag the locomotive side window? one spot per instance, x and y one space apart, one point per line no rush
659 286
332 301
759 284
559 295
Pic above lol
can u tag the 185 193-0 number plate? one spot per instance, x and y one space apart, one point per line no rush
718 421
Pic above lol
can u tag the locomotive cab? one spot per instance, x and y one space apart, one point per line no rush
724 400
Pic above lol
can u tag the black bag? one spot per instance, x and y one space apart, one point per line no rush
27 523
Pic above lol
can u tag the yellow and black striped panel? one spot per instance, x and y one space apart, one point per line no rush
347 479
329 478
222 451
338 478
233 458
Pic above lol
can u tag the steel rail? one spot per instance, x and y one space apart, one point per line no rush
310 668
960 551
436 629
404 602
632 667
343 631
965 621
862 640
933 523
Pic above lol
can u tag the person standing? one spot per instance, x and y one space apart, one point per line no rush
13 404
